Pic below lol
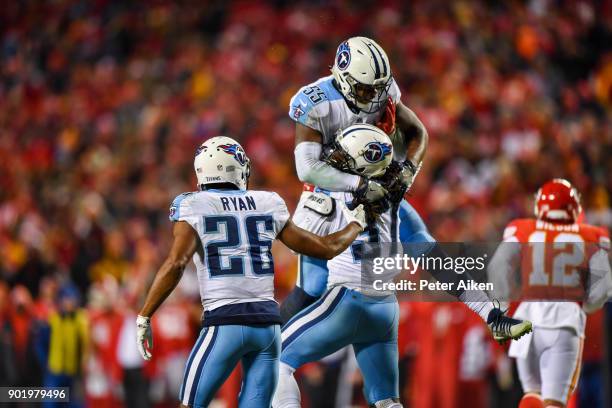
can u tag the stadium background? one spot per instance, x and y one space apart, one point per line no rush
102 104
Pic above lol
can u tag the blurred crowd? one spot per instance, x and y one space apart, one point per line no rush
102 104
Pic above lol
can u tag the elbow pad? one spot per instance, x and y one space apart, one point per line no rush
311 169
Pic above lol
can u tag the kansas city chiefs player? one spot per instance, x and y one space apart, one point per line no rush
564 272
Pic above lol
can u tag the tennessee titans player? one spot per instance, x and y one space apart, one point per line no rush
350 312
228 230
361 89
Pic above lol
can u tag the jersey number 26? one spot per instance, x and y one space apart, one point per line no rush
258 248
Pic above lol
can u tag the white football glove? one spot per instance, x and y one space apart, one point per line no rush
371 191
357 215
144 336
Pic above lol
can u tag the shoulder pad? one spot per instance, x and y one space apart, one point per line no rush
320 203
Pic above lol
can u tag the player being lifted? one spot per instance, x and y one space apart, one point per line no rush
228 230
348 314
361 90
351 312
560 259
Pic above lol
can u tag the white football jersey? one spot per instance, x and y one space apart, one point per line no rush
346 269
236 229
321 107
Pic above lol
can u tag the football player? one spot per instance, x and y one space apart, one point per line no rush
350 312
560 259
361 90
228 230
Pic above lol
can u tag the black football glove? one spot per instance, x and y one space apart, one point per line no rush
398 179
374 198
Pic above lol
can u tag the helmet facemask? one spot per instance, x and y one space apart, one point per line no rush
358 91
335 155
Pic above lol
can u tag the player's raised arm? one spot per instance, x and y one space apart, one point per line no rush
416 137
311 169
166 279
409 147
329 246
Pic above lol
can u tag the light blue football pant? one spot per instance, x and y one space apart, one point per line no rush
413 235
216 353
342 317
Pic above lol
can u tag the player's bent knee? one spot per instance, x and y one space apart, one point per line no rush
531 400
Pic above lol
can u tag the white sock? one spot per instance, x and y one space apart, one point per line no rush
287 393
387 403
477 301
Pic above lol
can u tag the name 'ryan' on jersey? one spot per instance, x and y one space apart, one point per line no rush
234 262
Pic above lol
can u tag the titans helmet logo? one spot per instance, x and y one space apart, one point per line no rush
343 56
376 151
199 149
236 151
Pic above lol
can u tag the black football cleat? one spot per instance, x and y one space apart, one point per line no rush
505 328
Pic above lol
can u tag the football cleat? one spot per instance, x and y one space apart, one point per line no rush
505 328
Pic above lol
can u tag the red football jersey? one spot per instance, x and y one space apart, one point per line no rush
554 258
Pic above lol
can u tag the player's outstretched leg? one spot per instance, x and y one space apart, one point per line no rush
378 363
260 366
